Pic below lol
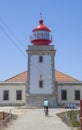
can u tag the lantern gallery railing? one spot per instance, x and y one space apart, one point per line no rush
40 36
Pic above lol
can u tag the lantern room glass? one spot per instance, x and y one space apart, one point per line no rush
41 34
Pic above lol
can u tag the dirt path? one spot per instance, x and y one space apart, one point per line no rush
34 119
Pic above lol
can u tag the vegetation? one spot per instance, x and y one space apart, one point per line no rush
72 115
5 115
70 118
6 119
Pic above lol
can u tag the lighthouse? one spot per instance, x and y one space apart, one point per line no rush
41 68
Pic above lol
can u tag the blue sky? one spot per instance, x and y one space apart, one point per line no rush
19 17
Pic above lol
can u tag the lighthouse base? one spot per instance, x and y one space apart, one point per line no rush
36 101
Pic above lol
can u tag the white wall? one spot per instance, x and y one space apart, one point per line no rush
44 69
12 93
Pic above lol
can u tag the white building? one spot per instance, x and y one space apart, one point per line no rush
41 80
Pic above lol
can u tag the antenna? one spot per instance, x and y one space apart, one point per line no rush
40 14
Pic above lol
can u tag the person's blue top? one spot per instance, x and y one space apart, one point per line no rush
46 103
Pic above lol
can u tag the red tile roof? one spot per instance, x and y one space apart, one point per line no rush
59 76
22 77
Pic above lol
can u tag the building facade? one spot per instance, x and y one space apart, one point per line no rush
12 93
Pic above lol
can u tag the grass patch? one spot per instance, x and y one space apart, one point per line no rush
70 118
72 115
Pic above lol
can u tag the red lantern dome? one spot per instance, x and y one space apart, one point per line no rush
41 34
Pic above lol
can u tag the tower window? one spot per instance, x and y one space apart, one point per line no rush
5 95
40 84
40 59
64 95
77 94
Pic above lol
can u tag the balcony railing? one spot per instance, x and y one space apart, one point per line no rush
41 37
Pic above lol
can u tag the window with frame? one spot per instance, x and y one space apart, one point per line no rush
63 94
40 59
77 94
40 84
6 95
18 95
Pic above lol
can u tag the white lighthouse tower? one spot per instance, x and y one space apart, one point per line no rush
41 68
